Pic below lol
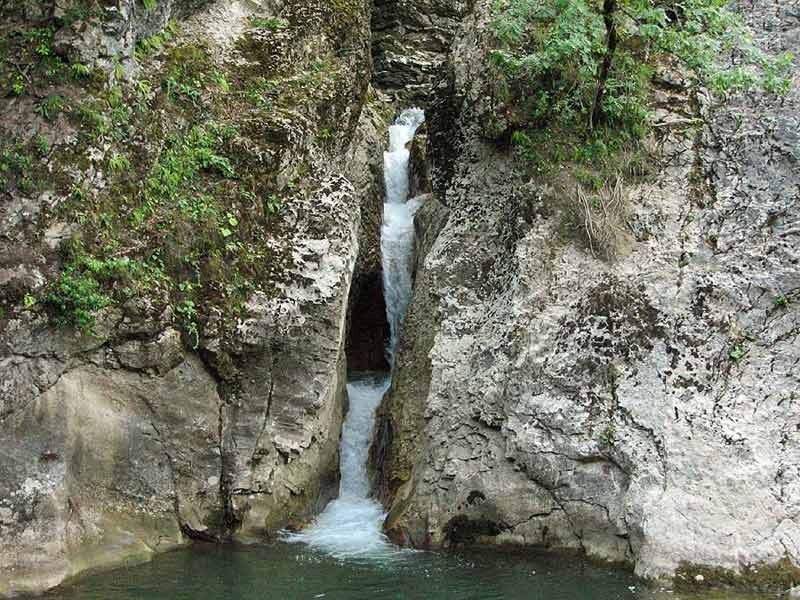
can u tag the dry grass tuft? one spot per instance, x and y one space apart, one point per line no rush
601 219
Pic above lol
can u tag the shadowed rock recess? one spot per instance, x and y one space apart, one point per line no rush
190 210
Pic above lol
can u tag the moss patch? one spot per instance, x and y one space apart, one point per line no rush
185 175
774 577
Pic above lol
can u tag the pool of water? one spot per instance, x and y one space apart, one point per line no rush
288 571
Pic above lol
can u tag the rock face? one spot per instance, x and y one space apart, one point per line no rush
102 34
139 435
410 44
636 409
633 409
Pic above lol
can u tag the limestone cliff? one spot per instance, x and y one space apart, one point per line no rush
190 197
639 408
180 221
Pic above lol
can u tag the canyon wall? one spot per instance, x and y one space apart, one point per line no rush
204 399
189 263
643 409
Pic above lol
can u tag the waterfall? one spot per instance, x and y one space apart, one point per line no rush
351 526
397 231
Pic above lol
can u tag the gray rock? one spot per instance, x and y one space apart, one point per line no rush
635 409
410 43
130 441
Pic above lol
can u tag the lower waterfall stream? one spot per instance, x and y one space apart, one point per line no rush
351 525
344 553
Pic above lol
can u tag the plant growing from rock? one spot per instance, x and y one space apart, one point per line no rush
587 65
601 218
269 23
50 107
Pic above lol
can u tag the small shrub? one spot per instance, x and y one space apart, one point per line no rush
18 86
41 145
187 311
75 298
80 290
41 40
50 107
15 166
156 42
119 163
80 71
269 23
272 204
737 353
609 435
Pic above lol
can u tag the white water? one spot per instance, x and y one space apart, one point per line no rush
397 232
351 525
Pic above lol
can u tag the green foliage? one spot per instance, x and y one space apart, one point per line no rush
269 23
78 294
80 71
107 114
259 92
41 41
14 159
737 353
93 118
174 172
50 107
119 163
156 42
609 435
189 66
16 163
149 4
550 57
88 284
75 298
272 204
28 61
193 202
80 10
18 86
41 145
187 312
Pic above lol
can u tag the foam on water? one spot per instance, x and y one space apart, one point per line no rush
352 525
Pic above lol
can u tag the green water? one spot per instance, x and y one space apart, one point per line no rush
284 571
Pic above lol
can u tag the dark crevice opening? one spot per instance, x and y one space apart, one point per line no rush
368 331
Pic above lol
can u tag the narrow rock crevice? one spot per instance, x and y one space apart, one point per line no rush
368 331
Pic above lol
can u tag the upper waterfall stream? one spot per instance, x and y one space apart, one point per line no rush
397 232
351 525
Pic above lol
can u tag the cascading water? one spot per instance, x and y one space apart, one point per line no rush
397 232
351 525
